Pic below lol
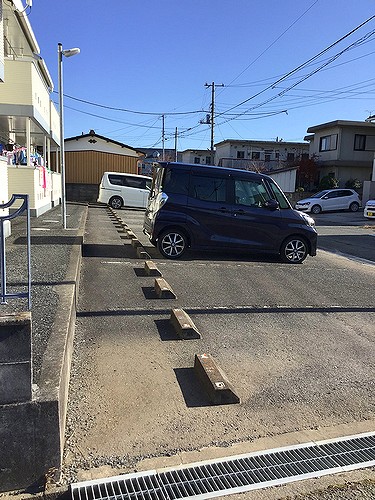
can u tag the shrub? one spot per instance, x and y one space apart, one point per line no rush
353 184
328 182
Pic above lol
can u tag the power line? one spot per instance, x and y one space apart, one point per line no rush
301 66
273 43
132 111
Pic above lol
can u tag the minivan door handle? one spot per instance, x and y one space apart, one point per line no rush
223 209
239 212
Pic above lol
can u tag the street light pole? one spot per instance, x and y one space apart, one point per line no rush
66 53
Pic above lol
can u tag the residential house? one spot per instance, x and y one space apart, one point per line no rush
344 149
197 156
259 155
87 156
152 155
29 122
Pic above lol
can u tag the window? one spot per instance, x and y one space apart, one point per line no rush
117 180
267 158
208 188
304 156
328 143
241 155
250 193
175 181
255 155
359 142
290 157
279 195
208 160
134 182
197 160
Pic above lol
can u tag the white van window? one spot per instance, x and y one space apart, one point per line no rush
250 193
208 188
117 180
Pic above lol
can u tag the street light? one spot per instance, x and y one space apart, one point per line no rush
66 53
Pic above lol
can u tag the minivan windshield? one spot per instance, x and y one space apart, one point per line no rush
279 195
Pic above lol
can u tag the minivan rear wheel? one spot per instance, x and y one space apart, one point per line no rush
294 250
115 202
172 244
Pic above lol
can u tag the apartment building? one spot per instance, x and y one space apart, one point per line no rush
344 149
254 154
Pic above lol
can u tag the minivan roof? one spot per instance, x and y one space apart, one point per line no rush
165 164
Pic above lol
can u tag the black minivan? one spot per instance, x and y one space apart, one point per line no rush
206 208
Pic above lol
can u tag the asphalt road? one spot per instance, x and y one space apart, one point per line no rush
296 342
347 233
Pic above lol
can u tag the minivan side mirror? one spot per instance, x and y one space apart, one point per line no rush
272 205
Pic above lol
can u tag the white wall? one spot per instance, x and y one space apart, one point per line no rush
4 194
286 180
28 180
83 144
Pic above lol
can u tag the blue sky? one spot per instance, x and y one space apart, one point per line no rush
154 57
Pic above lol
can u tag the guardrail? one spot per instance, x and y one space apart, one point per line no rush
19 211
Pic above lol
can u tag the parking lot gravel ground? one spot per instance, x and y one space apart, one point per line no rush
297 343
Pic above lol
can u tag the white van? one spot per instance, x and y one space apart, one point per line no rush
124 190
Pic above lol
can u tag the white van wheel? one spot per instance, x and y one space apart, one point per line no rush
115 202
172 244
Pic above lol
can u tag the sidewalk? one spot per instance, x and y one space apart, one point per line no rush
51 250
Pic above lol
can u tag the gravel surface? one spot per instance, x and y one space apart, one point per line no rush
50 251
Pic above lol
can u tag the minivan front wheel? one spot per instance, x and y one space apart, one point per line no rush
172 244
115 202
354 207
294 250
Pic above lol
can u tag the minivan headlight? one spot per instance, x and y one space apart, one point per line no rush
309 220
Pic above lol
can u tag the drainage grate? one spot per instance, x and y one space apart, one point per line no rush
236 474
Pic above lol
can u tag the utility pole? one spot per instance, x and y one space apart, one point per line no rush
163 136
212 118
175 145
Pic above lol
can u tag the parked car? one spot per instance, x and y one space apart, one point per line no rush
330 199
369 210
124 190
206 207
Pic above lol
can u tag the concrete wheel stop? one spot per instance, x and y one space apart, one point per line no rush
163 290
214 380
151 269
183 325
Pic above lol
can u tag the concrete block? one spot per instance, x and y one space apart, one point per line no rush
15 382
131 235
214 380
184 325
142 254
163 289
136 243
15 358
30 444
151 269
15 337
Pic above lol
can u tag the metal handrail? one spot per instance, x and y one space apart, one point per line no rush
19 211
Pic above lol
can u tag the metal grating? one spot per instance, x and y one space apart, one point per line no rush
236 474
